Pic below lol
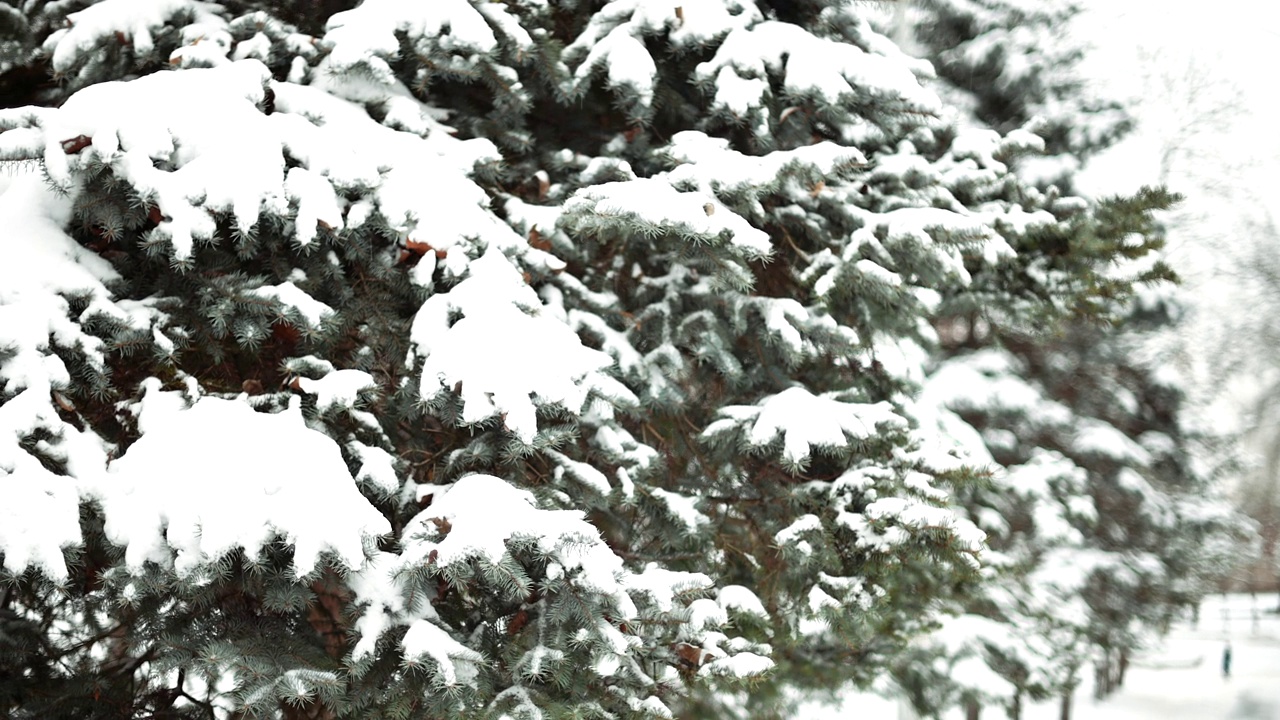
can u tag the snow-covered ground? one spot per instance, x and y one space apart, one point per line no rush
1180 679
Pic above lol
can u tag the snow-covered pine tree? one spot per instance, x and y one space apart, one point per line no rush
1098 515
1023 634
1007 63
1102 504
476 359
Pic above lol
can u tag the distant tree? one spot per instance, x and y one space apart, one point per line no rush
1007 63
1101 517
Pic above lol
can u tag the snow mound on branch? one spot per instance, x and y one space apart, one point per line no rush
689 22
950 234
711 163
40 509
505 351
945 440
364 42
805 421
220 476
456 662
130 21
419 185
660 208
741 599
477 517
338 390
662 586
1096 437
626 61
892 521
741 665
208 130
990 380
614 40
367 34
827 70
290 295
209 151
484 512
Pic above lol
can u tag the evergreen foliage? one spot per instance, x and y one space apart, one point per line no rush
1008 63
1101 517
500 359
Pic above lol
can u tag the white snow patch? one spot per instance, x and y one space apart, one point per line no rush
487 351
220 476
806 421
455 662
339 390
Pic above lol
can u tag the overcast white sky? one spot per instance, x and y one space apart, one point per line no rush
1205 77
1235 42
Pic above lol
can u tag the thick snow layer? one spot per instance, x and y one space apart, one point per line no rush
364 42
129 20
220 476
477 516
687 22
35 274
419 185
367 34
210 149
1095 437
625 61
811 66
805 421
209 131
484 512
485 355
40 510
741 599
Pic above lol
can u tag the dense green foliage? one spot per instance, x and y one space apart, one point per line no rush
510 359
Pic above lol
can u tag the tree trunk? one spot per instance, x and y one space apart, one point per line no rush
1065 709
1122 667
972 709
1102 676
1015 709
